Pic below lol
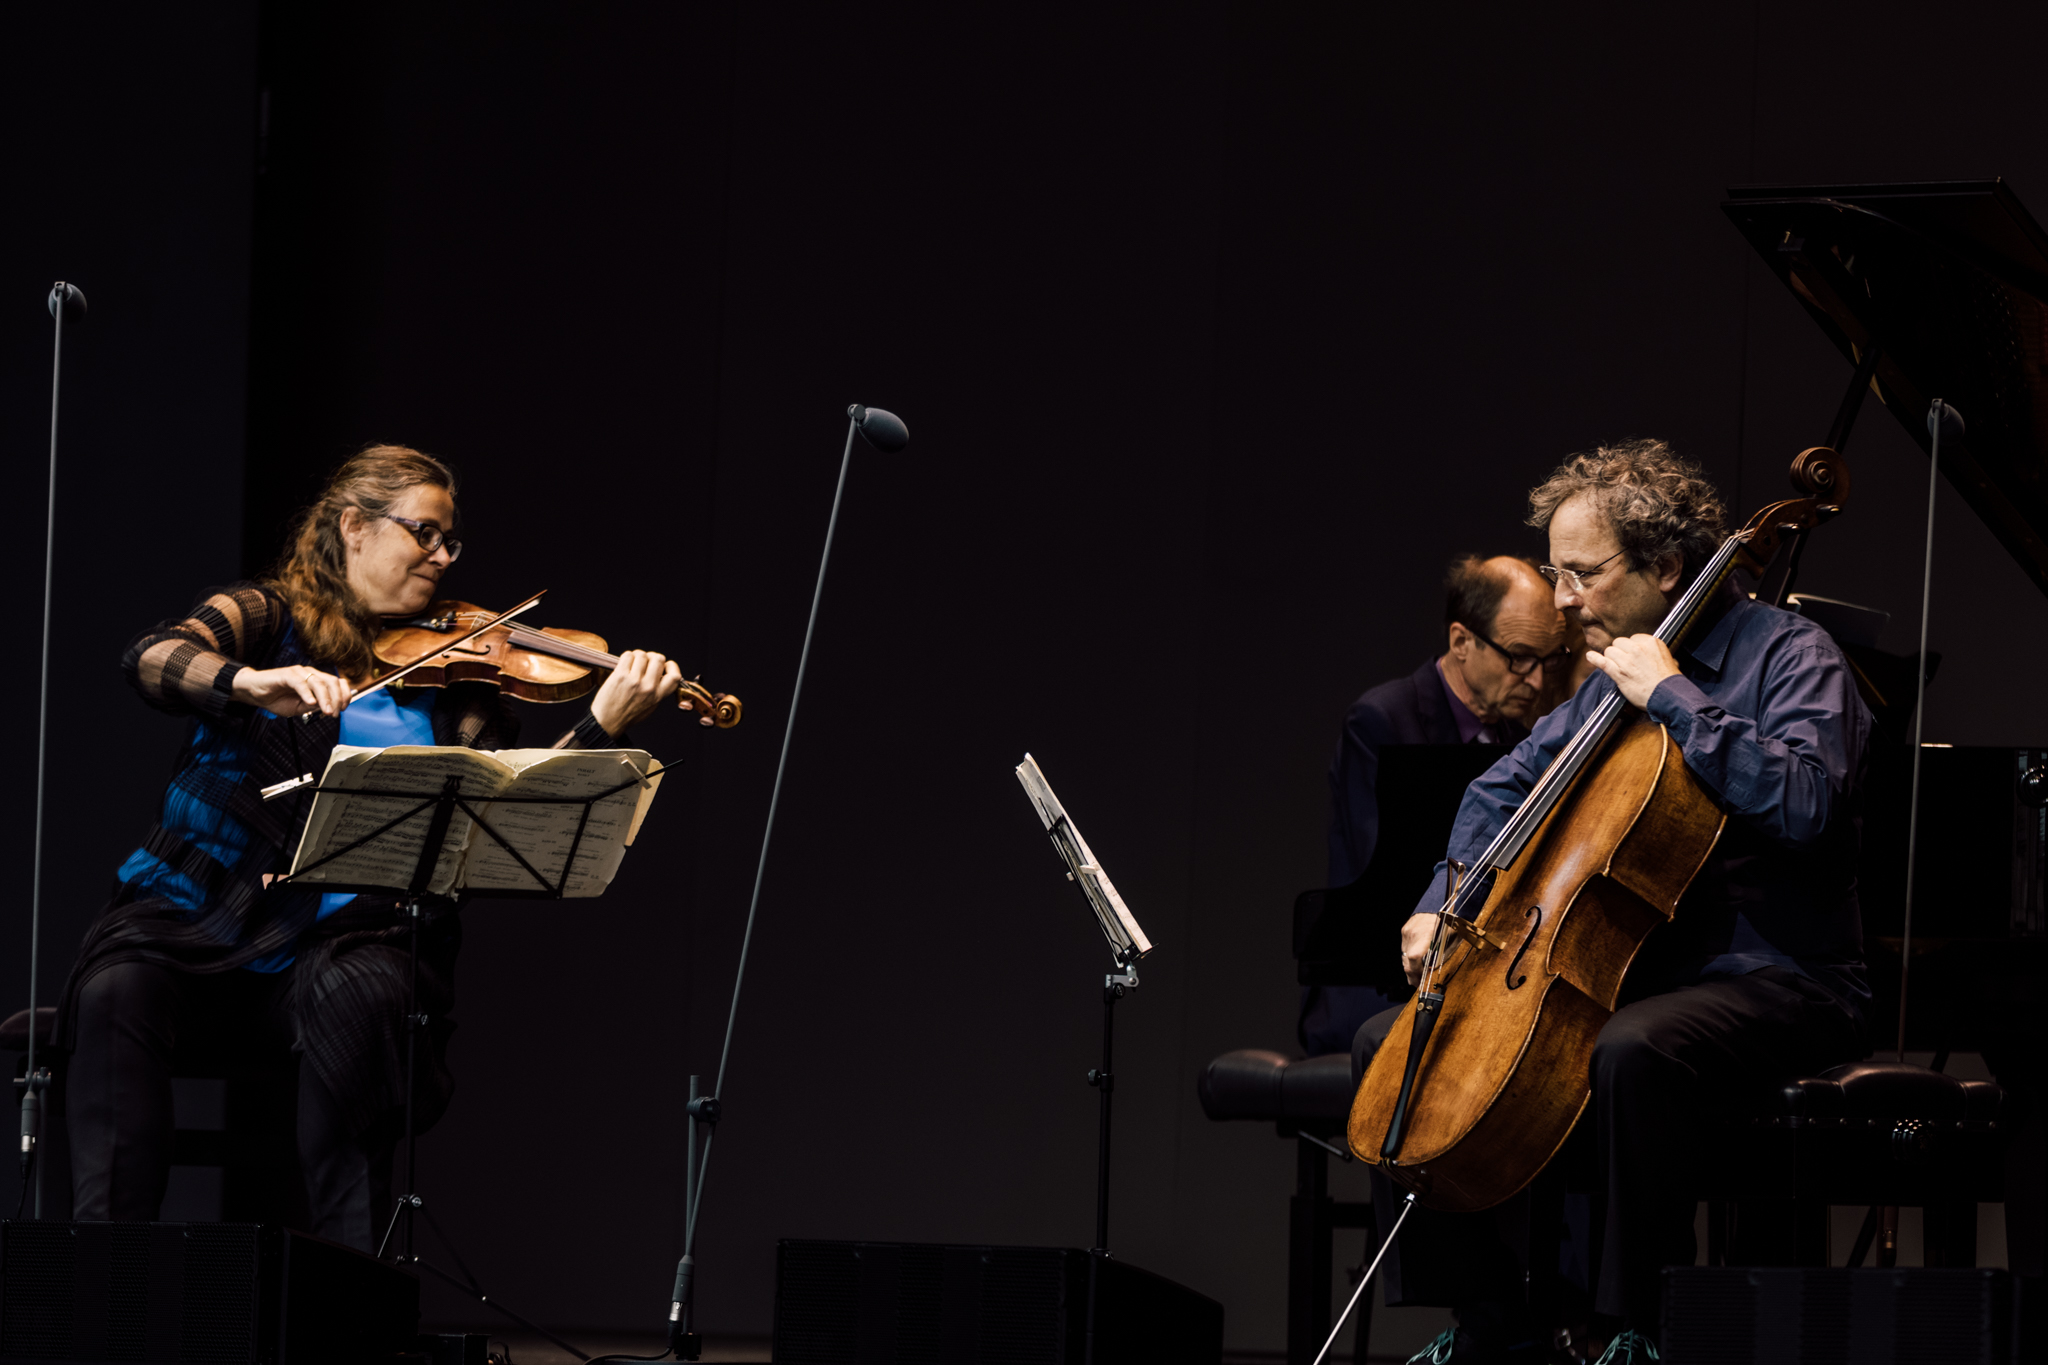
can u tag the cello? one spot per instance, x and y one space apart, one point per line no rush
1487 1068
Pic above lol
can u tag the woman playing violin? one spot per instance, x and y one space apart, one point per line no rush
200 954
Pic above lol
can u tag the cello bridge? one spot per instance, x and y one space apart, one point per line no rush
1464 928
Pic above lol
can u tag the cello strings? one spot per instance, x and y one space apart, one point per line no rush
1564 769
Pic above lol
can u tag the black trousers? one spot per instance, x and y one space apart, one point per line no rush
1663 1068
133 1019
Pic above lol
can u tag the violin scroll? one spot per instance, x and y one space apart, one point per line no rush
713 708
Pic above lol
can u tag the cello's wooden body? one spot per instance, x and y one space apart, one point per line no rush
1507 1071
1517 989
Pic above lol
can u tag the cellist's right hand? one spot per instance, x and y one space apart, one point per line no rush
1415 936
291 690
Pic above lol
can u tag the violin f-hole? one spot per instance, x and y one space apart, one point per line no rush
1513 984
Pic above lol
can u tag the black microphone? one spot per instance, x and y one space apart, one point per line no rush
1951 421
74 302
885 430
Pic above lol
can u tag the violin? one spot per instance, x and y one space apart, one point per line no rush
532 663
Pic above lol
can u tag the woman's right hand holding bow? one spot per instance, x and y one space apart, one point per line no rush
293 690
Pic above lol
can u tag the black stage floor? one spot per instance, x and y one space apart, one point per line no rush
530 1350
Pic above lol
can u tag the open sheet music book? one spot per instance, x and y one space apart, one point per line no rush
471 860
1119 926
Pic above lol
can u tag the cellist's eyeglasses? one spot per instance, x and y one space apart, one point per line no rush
429 536
1522 665
1575 581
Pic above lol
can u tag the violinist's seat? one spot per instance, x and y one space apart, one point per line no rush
14 1029
1873 1133
1308 1100
248 1134
56 1143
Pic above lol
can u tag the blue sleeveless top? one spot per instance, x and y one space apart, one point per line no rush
213 763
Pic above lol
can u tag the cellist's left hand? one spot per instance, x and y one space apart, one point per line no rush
1637 663
641 682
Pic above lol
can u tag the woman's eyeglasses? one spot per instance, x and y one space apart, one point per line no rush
429 536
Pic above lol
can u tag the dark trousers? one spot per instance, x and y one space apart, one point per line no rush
1664 1068
133 1019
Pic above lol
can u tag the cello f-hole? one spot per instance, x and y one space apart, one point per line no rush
1513 984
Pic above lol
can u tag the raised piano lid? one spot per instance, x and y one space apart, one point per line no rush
1952 279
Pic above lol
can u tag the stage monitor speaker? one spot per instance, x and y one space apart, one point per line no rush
1717 1314
864 1303
219 1293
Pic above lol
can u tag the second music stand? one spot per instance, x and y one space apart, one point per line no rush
1127 944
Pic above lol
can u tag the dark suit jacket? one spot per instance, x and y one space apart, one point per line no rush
1410 710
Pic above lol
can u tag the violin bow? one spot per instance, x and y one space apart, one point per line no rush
395 674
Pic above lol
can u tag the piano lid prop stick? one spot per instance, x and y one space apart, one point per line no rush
1940 418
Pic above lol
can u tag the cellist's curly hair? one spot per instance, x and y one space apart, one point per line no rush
1658 502
335 625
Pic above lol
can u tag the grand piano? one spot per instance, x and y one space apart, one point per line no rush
1941 291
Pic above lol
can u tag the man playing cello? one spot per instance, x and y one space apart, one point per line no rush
1758 974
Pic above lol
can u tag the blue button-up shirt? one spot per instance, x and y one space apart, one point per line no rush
1771 726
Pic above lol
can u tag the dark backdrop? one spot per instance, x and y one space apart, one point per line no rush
1218 328
125 137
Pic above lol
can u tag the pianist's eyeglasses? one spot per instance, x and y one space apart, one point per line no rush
1522 665
1574 581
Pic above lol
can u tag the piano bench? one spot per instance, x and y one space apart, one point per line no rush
1876 1133
1307 1100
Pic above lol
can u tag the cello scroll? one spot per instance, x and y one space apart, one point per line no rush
1822 475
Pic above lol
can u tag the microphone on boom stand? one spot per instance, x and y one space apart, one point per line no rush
886 432
67 304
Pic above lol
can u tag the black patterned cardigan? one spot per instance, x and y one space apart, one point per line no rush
351 965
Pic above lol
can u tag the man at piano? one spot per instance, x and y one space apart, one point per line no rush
1759 973
1505 663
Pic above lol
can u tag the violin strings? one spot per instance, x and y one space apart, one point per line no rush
537 641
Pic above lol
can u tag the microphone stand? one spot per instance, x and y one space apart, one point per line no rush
64 299
885 432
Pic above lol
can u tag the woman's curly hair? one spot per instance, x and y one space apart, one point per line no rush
336 626
1657 501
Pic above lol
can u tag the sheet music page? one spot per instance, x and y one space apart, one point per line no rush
339 818
1040 791
1118 924
544 833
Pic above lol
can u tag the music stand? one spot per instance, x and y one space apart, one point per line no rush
440 807
1127 944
